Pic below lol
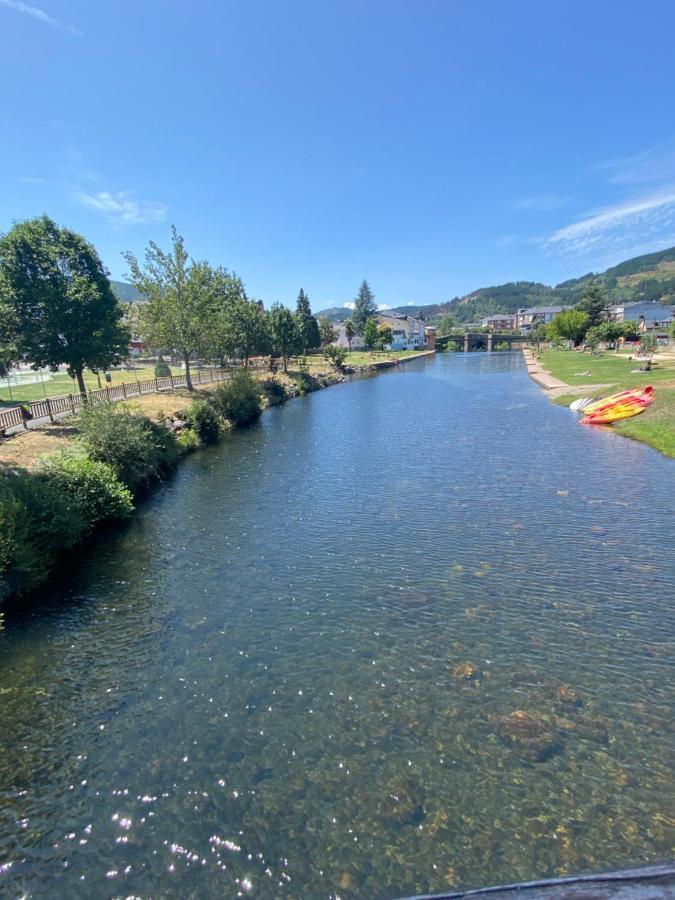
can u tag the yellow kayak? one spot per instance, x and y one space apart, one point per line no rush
618 406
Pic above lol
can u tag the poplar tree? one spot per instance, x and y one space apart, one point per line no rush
283 332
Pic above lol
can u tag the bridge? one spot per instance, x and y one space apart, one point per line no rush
474 340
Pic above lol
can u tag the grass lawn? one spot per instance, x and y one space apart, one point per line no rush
60 384
361 358
656 426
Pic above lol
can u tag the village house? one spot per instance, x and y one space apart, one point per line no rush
409 333
536 315
649 314
499 322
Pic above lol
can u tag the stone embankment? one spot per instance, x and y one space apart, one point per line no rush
539 374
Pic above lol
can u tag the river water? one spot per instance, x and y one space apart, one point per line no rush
407 634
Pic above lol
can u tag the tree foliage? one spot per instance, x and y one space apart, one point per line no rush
335 355
179 292
570 325
350 332
309 337
594 303
371 333
60 307
385 335
327 331
364 307
283 333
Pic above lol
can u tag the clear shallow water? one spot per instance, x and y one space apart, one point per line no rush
296 673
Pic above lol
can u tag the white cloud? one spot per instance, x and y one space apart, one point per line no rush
541 203
123 209
615 227
350 305
656 163
382 306
39 14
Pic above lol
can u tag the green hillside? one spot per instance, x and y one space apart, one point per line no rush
125 293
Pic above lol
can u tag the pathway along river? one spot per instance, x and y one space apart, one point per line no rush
296 673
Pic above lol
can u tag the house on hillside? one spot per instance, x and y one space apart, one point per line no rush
499 322
536 315
649 314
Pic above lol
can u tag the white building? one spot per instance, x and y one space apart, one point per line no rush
409 333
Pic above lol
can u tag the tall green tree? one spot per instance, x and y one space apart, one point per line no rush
594 303
179 312
308 327
371 333
283 333
570 325
350 333
62 308
364 307
385 335
327 331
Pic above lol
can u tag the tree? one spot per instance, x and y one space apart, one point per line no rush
631 330
336 355
593 303
283 333
244 330
179 291
610 332
370 334
672 330
446 323
570 325
364 307
62 308
648 343
327 331
308 328
385 336
350 332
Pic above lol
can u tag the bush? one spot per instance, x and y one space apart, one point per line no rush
306 383
162 369
187 441
136 448
238 399
204 419
23 563
336 356
92 485
274 391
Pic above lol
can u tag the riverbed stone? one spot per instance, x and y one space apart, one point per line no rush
529 735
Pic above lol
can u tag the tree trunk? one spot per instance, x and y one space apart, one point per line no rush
188 379
80 382
285 363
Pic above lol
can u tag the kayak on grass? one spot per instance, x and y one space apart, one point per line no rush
623 405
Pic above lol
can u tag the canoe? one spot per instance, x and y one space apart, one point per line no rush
623 405
582 403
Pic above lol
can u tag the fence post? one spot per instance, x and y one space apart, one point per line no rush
107 393
157 385
124 389
171 377
49 410
72 403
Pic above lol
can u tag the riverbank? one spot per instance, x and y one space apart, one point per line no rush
567 374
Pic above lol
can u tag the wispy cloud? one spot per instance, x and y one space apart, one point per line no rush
506 240
655 164
122 208
614 228
541 203
39 14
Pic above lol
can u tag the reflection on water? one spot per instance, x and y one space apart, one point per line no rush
410 633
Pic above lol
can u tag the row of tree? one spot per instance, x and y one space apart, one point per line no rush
57 307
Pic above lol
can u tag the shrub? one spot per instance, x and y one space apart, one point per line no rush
93 485
238 399
306 383
136 448
336 356
187 441
162 369
23 563
205 420
274 391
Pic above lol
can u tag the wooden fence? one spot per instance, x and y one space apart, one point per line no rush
52 407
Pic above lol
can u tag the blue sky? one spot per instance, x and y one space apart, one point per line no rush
431 146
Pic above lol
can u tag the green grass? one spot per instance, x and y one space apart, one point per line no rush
611 368
60 384
655 426
364 358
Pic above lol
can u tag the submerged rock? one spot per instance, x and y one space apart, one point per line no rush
466 671
567 696
529 735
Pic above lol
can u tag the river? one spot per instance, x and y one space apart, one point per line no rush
409 633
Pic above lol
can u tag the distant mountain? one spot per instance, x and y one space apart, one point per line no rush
126 293
648 277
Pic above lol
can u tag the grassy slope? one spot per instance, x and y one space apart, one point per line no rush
656 426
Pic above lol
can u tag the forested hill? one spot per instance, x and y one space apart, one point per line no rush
649 277
125 293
